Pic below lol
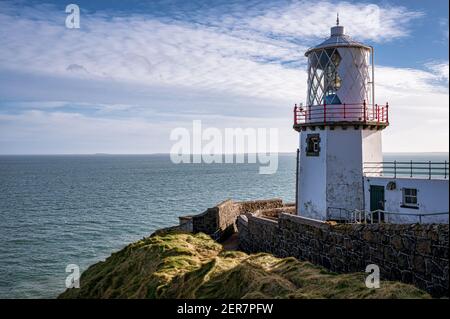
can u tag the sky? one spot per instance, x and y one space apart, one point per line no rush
136 70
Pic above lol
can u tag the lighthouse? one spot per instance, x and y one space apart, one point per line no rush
339 128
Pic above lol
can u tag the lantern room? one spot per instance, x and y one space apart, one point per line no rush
340 87
338 71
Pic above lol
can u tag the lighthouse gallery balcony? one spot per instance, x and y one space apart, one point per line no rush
356 114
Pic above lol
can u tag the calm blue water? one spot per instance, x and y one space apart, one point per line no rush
60 210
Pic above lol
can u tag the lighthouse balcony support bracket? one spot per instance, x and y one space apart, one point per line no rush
357 115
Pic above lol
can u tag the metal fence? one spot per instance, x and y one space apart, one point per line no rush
407 169
356 216
347 112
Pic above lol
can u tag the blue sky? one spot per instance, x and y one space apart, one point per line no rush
135 70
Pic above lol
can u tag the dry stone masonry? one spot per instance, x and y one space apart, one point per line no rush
220 220
411 253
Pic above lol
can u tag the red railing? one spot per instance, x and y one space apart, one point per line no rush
332 113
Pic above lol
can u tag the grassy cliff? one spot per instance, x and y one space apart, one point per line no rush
178 265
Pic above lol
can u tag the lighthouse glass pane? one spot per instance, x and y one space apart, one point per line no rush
323 78
354 71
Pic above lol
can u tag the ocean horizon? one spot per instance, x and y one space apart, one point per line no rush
57 210
144 154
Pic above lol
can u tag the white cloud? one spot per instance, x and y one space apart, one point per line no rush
143 49
419 109
364 21
440 70
233 63
68 133
443 23
40 132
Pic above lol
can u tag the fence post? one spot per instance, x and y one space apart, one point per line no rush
344 110
296 182
295 114
309 112
378 113
411 169
325 112
382 114
395 169
429 169
445 169
365 116
387 112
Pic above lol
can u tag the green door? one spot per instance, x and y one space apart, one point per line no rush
377 201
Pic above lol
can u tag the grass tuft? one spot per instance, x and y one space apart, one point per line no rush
181 265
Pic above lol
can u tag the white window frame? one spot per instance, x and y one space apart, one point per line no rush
405 196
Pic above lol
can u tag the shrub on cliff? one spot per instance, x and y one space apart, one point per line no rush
179 265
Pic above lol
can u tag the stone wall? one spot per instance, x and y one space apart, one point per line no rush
273 213
414 253
220 221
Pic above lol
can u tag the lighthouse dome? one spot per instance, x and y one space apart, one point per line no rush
337 39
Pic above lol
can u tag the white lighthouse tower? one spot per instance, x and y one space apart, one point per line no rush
339 128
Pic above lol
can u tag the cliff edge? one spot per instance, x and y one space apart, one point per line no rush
184 265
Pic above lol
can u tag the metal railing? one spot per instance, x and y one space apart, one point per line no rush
371 217
347 112
407 169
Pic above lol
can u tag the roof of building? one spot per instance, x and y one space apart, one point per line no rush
337 39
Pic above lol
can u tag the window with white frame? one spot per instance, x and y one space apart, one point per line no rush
410 197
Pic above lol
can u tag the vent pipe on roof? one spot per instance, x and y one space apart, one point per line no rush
337 30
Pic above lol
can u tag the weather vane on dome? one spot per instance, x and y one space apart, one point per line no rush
337 18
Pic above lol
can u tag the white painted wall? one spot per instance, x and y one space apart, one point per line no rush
334 179
432 195
312 178
344 168
372 149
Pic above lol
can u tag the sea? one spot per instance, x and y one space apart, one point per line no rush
61 210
